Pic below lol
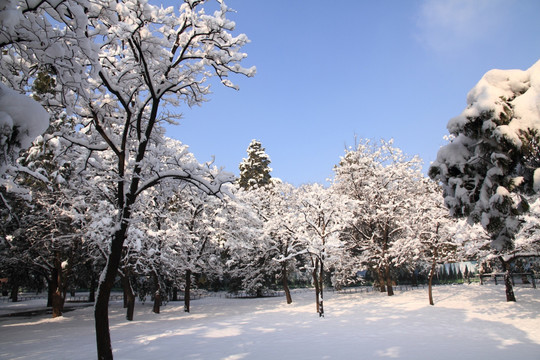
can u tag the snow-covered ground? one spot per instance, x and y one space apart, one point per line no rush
467 322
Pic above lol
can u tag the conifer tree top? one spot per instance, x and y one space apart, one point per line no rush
255 169
491 165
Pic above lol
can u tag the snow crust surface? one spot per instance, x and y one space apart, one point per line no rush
467 322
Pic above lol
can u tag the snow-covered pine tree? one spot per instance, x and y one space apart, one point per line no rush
255 169
486 169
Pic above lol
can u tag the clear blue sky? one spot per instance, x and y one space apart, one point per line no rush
330 70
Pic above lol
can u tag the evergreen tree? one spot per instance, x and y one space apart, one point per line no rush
255 169
490 166
443 275
451 273
466 274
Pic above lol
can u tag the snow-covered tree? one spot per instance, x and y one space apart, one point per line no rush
193 223
255 169
117 65
323 216
252 252
280 220
489 166
527 240
46 225
430 237
380 178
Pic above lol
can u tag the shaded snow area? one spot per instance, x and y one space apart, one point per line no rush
467 322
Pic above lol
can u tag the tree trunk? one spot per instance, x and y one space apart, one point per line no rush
57 304
175 294
58 292
187 291
386 239
321 285
157 295
285 283
430 282
508 280
316 283
432 270
101 310
129 297
130 305
157 302
14 292
92 294
123 280
380 280
389 288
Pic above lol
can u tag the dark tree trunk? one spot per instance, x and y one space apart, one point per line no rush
508 280
316 284
321 285
130 305
187 291
387 278
432 271
57 304
92 294
318 274
129 297
125 201
157 302
58 292
14 292
380 280
175 294
430 282
157 295
101 310
389 288
285 283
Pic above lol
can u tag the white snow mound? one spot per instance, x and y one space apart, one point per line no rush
521 88
23 114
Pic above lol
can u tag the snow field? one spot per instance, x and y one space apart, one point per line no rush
467 322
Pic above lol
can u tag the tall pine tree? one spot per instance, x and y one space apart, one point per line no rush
255 169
